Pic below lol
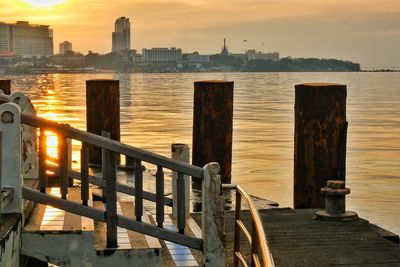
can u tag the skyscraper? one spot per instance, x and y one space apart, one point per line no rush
121 37
64 47
27 40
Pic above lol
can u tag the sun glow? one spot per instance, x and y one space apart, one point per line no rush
43 3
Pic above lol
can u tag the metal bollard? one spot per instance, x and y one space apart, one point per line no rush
335 203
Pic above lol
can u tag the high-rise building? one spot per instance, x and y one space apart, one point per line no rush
64 47
26 40
121 37
162 55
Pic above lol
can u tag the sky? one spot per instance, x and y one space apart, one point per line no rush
363 31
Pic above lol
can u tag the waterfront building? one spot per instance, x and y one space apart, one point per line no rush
162 55
197 58
26 40
252 54
64 47
121 37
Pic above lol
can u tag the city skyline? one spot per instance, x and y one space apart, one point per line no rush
361 31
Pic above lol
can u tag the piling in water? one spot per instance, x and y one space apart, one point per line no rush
102 112
319 141
212 126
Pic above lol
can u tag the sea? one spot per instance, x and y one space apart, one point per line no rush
157 110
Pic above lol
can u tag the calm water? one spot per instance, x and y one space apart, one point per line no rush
156 110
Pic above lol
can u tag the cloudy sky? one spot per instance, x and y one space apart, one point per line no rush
364 31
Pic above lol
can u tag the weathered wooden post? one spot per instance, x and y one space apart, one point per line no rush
102 112
180 152
11 169
213 227
212 126
5 85
319 140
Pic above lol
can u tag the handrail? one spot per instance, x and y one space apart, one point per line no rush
257 239
112 145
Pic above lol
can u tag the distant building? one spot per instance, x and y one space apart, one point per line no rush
26 40
121 37
252 54
162 55
64 47
196 58
224 50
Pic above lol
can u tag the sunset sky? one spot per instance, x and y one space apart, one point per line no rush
364 31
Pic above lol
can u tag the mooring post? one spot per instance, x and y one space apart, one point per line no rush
213 226
212 126
5 85
180 152
102 113
320 126
11 169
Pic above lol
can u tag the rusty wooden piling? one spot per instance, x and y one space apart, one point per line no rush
320 128
102 112
212 126
5 85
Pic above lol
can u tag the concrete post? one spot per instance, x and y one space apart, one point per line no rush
212 217
30 159
11 175
5 85
102 113
212 126
180 152
320 143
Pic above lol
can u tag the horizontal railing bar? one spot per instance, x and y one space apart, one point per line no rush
124 222
244 230
120 187
239 256
161 233
7 194
63 204
112 145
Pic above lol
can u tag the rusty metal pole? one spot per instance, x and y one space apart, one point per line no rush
319 140
212 126
102 112
5 85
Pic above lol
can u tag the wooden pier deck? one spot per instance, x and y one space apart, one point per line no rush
296 239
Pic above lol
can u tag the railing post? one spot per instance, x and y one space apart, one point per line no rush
180 152
138 190
11 171
42 161
84 174
65 164
109 168
160 196
29 137
212 217
236 244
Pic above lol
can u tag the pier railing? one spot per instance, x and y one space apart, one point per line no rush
260 255
11 115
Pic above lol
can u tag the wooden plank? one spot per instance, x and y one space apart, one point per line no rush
112 145
137 240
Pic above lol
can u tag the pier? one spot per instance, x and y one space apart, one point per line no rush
78 219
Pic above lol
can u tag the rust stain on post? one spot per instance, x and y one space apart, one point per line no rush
320 117
212 125
102 112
